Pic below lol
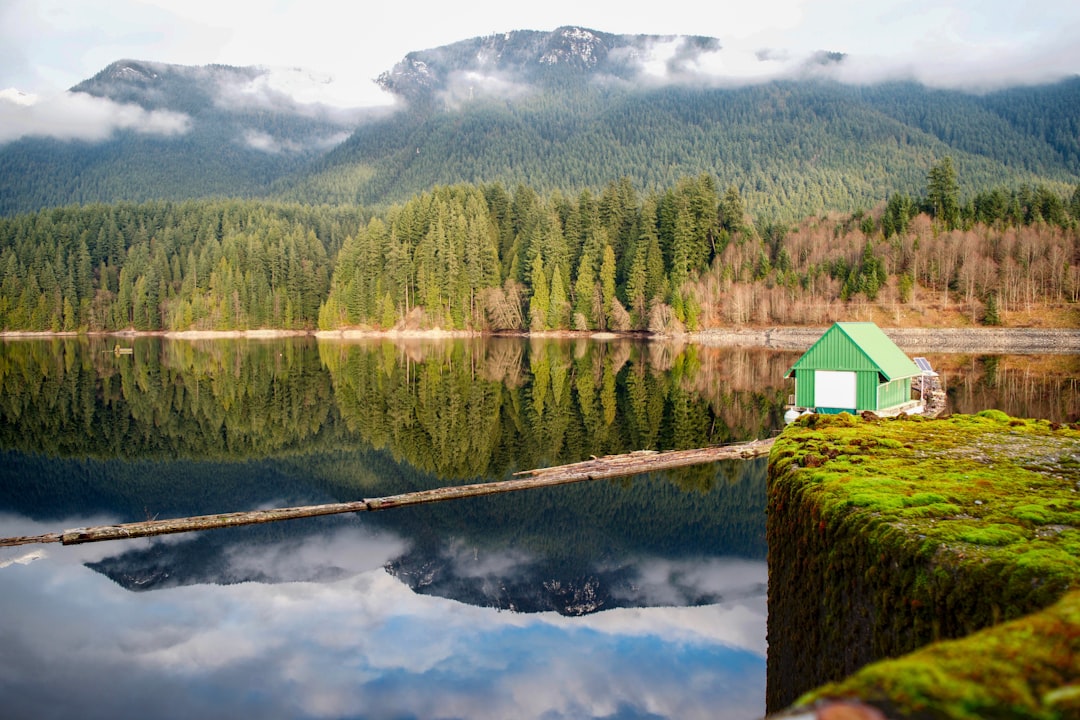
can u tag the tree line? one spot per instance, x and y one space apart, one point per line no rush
482 257
156 266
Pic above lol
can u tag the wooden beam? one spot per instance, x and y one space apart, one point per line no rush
611 466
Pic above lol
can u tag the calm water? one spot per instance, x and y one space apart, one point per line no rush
640 598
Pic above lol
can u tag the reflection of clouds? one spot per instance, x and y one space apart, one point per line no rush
468 562
346 551
687 582
365 645
17 525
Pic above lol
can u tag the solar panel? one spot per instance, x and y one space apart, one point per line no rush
923 364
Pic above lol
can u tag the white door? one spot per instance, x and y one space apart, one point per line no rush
834 389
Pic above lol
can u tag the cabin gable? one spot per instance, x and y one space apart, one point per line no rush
851 368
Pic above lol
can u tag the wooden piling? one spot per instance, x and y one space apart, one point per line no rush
611 466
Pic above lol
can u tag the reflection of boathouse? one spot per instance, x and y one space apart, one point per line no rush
855 367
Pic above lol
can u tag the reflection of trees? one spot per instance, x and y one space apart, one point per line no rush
1033 386
535 402
745 387
440 413
457 409
167 399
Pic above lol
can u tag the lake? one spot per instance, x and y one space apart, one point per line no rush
637 598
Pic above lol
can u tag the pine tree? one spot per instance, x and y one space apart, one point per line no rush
583 294
635 287
943 193
607 285
541 296
558 304
991 316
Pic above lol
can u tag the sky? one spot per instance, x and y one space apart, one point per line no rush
46 46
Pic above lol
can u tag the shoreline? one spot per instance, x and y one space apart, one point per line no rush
976 340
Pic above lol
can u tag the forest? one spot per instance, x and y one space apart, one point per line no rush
484 258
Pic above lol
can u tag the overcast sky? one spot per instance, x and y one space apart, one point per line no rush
47 46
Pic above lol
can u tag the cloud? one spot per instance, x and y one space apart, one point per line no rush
344 552
335 97
661 581
472 84
78 116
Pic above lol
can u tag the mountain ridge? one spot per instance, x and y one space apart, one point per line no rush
566 110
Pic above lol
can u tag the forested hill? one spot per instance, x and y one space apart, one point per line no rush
575 108
566 110
238 136
792 148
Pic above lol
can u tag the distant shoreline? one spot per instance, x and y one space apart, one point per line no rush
974 340
956 340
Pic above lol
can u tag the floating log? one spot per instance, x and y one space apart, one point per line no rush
611 466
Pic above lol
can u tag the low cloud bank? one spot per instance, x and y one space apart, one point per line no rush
78 116
335 98
689 61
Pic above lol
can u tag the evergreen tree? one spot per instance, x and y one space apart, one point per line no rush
732 211
607 286
991 316
540 302
943 193
584 287
559 306
635 288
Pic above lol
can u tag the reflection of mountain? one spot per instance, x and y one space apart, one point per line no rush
574 550
518 583
316 550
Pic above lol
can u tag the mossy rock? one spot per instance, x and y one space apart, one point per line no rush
1027 668
887 535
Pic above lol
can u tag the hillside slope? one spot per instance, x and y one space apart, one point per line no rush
564 110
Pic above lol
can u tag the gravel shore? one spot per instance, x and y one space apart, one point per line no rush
950 340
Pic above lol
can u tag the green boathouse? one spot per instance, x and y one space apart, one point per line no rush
854 367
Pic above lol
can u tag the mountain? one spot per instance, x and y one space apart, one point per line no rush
489 64
563 110
576 109
237 132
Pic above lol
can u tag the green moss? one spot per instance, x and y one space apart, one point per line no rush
924 498
995 535
906 532
1064 561
1028 668
1037 514
995 415
931 511
875 501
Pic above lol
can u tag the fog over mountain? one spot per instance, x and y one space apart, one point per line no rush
568 109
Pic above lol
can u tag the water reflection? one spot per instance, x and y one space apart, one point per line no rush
637 598
361 645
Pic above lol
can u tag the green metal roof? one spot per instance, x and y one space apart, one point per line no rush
857 346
